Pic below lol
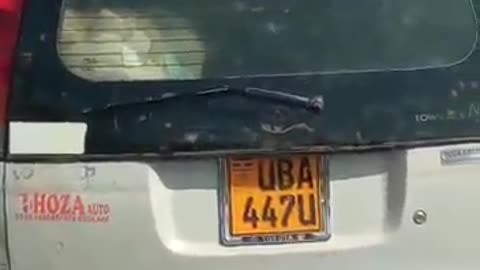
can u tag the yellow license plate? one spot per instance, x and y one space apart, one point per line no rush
274 199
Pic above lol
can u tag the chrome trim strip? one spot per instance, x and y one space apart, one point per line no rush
460 156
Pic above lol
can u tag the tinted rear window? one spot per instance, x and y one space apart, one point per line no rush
178 39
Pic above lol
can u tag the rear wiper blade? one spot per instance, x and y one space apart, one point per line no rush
314 104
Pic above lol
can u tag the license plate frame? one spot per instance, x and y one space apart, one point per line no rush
228 238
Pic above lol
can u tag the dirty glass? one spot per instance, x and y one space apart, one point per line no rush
110 40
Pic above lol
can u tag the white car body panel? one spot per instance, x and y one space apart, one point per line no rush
164 215
3 237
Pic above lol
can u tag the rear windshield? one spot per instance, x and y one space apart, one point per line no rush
125 40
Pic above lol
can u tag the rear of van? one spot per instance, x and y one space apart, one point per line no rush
239 134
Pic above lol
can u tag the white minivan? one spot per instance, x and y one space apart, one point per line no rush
239 134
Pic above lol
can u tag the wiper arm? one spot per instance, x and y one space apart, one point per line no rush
314 104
